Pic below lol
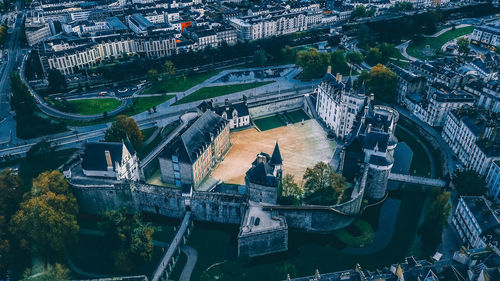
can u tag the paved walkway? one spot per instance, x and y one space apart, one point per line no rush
192 257
402 49
444 30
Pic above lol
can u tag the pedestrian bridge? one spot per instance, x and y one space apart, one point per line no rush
168 261
416 180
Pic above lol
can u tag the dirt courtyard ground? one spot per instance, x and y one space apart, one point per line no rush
301 146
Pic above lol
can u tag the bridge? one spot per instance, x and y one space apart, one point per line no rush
168 261
416 180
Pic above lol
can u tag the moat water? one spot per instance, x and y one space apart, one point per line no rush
395 222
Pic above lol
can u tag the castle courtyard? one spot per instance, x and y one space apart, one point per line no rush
301 145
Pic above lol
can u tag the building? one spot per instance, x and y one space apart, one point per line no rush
409 83
486 36
188 159
263 178
476 223
493 180
473 136
236 113
338 105
37 31
110 160
370 150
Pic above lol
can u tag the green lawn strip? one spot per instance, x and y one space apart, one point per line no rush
296 116
139 105
146 149
179 84
269 123
93 106
217 91
147 133
435 43
365 238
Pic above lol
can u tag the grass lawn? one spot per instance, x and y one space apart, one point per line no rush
147 133
269 123
93 106
179 84
217 91
296 116
359 234
435 43
146 149
139 105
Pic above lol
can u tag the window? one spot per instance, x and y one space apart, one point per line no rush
177 175
175 158
177 183
176 167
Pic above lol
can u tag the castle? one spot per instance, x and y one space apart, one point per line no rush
201 141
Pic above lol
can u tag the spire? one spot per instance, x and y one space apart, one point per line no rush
276 157
362 89
348 84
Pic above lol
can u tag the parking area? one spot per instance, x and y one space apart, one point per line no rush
301 145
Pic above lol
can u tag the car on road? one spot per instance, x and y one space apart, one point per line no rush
103 93
122 90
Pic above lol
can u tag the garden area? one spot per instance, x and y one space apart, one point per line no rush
281 119
418 47
358 234
217 91
92 106
179 84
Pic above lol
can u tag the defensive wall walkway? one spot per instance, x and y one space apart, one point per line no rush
168 261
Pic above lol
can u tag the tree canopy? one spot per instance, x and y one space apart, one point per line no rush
57 82
313 62
290 193
56 272
132 239
469 183
122 128
380 81
435 219
463 46
322 185
46 220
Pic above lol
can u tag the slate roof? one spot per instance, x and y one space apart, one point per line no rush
262 174
94 157
194 140
276 158
481 212
240 107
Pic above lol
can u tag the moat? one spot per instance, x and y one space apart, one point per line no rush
307 252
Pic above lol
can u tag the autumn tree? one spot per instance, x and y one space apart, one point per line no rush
380 81
133 239
125 127
290 193
169 68
322 185
46 221
56 272
152 75
469 183
463 46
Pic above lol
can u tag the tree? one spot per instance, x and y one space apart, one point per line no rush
338 62
10 198
435 219
387 51
55 272
469 183
132 239
36 161
260 57
289 191
57 82
355 57
463 46
152 75
46 221
125 127
313 62
322 185
380 81
373 56
169 68
359 12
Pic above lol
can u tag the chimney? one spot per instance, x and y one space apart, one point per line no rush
372 96
339 77
329 69
108 160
